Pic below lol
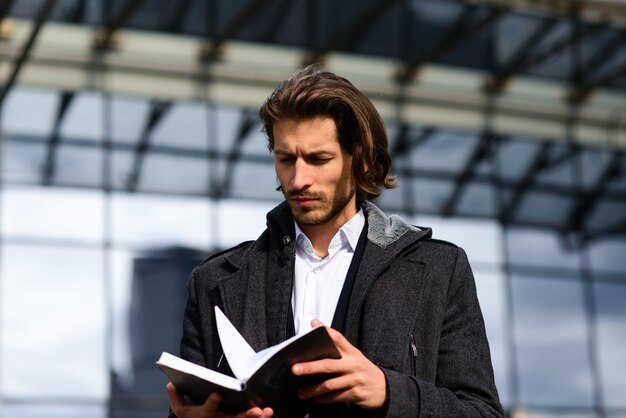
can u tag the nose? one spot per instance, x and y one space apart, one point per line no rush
301 175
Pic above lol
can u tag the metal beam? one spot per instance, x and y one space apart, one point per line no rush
540 162
241 19
5 6
482 151
178 17
104 40
276 23
157 111
463 27
248 121
405 143
526 62
76 14
497 82
604 54
42 17
352 31
49 163
587 200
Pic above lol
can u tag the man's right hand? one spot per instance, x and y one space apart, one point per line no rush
209 409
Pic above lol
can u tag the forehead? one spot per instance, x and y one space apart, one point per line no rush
309 133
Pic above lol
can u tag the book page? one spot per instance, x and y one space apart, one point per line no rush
236 349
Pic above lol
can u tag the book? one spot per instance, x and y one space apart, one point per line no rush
261 379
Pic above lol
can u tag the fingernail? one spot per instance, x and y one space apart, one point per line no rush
297 369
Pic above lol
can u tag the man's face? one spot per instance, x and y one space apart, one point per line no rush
314 172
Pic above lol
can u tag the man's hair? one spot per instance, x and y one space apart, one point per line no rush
311 93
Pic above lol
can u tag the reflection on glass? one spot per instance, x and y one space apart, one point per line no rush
491 295
156 222
552 342
29 111
540 248
52 213
611 314
184 125
241 220
42 410
53 323
251 180
22 162
84 117
608 255
172 173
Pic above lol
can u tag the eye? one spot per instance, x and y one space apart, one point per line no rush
286 160
319 160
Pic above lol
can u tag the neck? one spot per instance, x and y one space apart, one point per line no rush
321 235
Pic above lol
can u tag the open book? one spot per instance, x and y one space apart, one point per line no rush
261 379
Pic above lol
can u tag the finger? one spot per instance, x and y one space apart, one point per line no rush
316 323
316 367
176 399
211 405
331 386
342 344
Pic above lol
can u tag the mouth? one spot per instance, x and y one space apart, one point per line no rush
303 201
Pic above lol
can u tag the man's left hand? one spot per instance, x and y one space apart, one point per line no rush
358 380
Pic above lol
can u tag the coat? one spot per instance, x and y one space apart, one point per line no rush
413 312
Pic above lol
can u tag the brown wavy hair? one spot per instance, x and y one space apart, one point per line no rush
312 93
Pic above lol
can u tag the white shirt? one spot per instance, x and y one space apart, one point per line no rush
318 281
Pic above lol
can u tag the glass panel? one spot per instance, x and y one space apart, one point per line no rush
227 120
478 199
443 151
53 322
171 173
84 117
129 117
552 342
544 209
608 255
29 111
606 216
161 222
536 247
52 213
22 162
491 290
593 163
514 158
184 125
481 239
559 172
255 143
611 319
78 166
240 220
431 194
42 410
252 180
150 293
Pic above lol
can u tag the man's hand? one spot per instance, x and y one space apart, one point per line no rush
359 380
210 408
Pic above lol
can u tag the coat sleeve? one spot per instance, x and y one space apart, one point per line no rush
464 384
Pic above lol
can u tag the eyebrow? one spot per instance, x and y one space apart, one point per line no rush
317 152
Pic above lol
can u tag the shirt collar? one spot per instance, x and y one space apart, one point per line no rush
348 234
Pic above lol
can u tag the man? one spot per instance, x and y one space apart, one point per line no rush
402 306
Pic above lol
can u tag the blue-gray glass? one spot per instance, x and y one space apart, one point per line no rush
478 199
515 157
77 166
607 216
544 209
253 180
607 256
183 125
83 408
430 195
611 325
551 341
23 162
540 248
445 152
170 173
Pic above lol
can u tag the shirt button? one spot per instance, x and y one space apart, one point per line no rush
316 271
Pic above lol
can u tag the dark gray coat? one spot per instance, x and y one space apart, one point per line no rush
413 311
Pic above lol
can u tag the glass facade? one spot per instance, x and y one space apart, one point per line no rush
108 199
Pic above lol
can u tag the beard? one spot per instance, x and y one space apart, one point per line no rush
327 206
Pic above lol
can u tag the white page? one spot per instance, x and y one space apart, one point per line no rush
237 351
177 363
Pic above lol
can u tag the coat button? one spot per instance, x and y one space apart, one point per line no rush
286 240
